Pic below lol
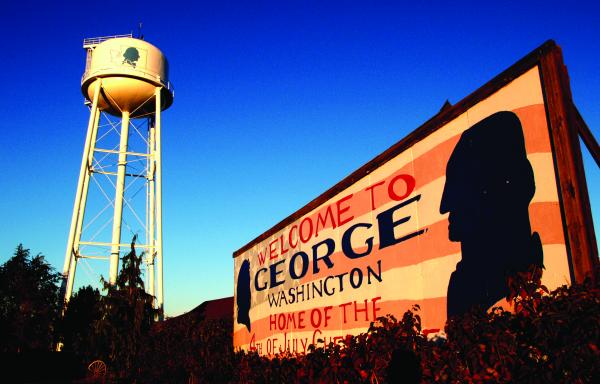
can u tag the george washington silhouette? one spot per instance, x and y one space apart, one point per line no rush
489 184
243 295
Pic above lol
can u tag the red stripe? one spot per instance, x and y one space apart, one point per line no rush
535 128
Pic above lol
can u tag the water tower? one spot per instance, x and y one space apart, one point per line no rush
126 87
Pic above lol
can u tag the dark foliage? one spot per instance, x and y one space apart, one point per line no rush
200 349
29 304
40 367
77 325
550 338
125 318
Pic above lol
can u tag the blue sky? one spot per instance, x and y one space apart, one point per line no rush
275 102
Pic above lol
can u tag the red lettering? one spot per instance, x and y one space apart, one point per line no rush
315 324
323 220
301 320
314 338
284 250
272 250
253 342
371 189
410 187
343 306
375 307
291 321
295 320
358 310
341 210
306 220
290 237
304 343
271 346
327 315
262 257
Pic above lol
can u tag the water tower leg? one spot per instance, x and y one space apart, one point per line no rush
151 213
81 217
70 280
159 244
120 188
70 254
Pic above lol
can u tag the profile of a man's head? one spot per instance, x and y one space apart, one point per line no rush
489 185
131 56
489 180
243 299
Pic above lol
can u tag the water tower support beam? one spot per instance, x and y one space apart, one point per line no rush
120 188
81 195
80 219
158 183
151 210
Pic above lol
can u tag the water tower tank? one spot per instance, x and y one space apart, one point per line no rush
130 69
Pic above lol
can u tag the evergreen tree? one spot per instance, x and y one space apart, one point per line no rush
126 316
29 302
77 325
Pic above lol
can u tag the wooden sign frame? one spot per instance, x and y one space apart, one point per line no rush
515 138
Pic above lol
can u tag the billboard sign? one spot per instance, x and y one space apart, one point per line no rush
440 219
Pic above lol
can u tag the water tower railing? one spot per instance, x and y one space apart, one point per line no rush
93 41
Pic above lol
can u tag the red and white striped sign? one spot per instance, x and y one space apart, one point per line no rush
383 243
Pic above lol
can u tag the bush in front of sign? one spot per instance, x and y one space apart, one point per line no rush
549 338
